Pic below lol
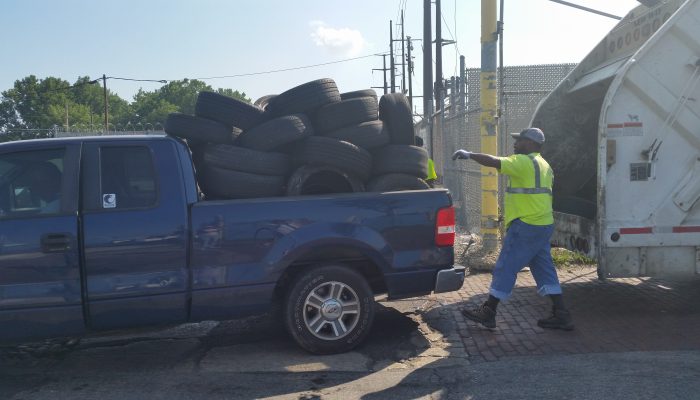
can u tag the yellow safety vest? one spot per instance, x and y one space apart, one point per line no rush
529 192
432 175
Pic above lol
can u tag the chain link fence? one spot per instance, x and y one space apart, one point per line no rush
458 127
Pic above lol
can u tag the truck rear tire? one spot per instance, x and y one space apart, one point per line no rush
329 309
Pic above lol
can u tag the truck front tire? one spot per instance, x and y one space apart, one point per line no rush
329 309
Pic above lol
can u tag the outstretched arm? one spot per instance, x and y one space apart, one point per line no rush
486 160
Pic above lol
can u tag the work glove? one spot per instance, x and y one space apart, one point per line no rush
461 154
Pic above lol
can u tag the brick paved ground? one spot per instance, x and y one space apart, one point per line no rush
610 316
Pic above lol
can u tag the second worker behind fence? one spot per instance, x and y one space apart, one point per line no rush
529 225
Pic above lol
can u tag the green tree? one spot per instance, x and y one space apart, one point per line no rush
150 108
177 96
50 102
34 103
27 103
234 93
183 93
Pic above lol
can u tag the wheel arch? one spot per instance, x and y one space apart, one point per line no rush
345 255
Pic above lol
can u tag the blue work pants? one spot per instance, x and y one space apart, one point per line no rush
525 245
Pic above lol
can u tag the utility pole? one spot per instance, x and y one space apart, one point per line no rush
391 57
501 121
462 82
427 63
403 57
409 61
438 58
66 115
501 80
104 89
489 126
384 71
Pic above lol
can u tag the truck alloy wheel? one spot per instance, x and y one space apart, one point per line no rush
329 309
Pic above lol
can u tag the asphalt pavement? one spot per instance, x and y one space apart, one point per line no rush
635 338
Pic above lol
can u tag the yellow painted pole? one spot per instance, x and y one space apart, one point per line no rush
489 131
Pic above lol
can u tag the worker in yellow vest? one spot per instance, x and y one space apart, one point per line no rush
431 179
529 226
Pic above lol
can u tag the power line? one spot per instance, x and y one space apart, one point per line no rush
138 80
95 81
291 69
451 35
454 38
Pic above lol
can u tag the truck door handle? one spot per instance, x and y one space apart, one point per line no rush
55 242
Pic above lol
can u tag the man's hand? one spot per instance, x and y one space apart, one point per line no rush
461 154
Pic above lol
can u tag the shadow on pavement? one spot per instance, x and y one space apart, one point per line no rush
615 315
198 357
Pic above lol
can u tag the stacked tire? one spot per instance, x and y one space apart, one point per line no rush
310 139
398 165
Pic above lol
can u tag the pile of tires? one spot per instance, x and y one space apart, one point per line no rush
310 139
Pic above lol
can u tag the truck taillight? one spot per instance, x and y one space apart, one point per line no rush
445 227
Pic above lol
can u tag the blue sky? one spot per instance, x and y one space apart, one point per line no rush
175 39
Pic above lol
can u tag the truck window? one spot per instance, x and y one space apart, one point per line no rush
127 178
31 182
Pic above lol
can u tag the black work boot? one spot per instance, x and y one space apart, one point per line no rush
560 319
483 314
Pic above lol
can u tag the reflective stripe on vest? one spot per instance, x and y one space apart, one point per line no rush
537 189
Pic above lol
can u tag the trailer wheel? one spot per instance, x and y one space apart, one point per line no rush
329 309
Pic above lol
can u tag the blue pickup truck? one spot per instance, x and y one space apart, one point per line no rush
102 233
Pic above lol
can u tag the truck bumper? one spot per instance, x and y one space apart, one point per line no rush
449 280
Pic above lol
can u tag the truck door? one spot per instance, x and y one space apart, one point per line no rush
135 234
40 289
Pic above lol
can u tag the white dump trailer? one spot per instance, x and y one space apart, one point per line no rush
623 138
